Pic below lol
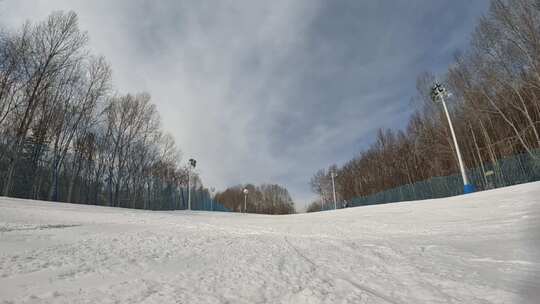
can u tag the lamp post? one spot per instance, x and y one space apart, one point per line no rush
438 93
333 174
246 191
212 191
192 165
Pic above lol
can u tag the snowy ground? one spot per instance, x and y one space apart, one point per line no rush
482 248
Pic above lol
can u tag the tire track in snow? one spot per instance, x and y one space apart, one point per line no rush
10 228
341 275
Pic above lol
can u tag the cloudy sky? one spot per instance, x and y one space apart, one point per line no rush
270 91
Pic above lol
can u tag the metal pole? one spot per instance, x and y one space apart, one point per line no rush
322 196
189 190
334 189
110 188
467 188
212 191
55 180
245 203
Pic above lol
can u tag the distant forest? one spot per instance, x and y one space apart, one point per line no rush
265 199
495 107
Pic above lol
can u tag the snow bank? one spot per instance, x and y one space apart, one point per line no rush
480 248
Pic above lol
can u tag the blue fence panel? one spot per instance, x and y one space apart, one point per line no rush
518 169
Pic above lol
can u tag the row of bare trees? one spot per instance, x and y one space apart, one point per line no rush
65 135
495 108
263 199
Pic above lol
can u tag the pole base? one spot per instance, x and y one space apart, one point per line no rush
468 188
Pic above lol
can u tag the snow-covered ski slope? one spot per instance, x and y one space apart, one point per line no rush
480 248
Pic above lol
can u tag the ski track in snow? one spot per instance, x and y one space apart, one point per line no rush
479 248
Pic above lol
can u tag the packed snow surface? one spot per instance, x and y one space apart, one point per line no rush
479 248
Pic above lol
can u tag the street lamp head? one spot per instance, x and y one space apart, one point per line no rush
246 191
438 92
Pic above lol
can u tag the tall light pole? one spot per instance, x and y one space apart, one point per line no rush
212 191
322 195
192 165
438 93
333 174
246 191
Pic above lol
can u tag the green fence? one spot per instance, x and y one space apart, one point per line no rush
35 177
177 199
509 171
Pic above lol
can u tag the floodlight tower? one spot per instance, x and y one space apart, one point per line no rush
438 94
246 191
192 165
212 196
334 174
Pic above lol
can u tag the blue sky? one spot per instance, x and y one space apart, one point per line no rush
270 91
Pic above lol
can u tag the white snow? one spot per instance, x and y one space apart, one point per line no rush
479 248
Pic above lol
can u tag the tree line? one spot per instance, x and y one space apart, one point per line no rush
495 108
65 134
264 199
